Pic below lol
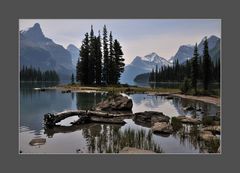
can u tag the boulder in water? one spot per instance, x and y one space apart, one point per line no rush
162 127
115 103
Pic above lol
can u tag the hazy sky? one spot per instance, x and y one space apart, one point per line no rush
138 37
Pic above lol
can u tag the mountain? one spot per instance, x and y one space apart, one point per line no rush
186 51
142 65
38 51
215 52
74 51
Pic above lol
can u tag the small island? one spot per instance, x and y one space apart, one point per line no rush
91 99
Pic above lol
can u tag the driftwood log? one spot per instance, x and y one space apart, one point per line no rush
87 117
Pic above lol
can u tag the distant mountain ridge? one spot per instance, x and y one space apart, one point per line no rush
185 52
38 51
142 65
74 51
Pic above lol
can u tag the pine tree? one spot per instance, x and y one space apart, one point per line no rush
188 69
84 54
151 76
112 63
72 79
177 71
98 62
194 69
206 66
118 61
91 58
105 56
78 70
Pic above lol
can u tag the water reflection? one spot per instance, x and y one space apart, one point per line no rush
172 107
111 139
88 100
106 138
34 104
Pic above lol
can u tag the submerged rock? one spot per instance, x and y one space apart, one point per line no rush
115 103
37 141
149 118
188 120
135 150
162 127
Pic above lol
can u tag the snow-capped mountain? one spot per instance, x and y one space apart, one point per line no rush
142 65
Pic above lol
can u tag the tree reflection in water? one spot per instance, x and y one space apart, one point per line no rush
111 139
191 134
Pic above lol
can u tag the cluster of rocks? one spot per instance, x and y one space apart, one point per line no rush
117 108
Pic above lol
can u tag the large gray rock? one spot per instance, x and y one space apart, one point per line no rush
115 103
162 127
149 118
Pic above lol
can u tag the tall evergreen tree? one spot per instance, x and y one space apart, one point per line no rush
118 63
206 65
112 63
78 70
98 61
84 54
72 79
194 69
188 69
151 76
105 56
177 70
91 58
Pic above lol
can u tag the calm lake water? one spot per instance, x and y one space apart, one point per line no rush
102 138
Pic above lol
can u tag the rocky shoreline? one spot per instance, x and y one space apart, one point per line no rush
169 95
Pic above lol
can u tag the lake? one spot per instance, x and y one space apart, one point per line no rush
103 138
